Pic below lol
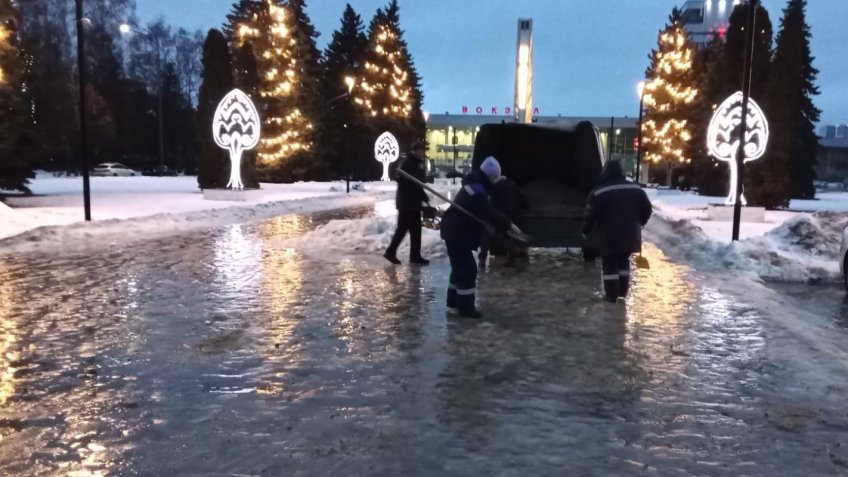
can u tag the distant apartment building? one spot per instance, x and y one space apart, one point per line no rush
832 164
703 19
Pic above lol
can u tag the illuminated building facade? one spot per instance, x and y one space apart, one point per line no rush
441 129
704 18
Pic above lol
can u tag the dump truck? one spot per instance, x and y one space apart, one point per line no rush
555 166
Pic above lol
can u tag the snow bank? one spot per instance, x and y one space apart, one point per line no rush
369 236
804 248
79 236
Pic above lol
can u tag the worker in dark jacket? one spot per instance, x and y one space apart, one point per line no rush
462 234
410 199
616 211
507 199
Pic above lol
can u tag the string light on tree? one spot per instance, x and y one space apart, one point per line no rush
287 130
386 89
669 95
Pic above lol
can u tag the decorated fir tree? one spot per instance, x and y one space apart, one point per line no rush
247 80
240 21
669 97
345 123
791 90
390 88
213 162
15 143
284 44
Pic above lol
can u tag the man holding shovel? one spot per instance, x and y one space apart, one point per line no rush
463 226
616 211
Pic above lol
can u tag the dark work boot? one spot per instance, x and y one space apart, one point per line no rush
467 308
451 298
611 289
623 285
390 256
419 261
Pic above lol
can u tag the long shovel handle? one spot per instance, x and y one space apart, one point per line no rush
488 226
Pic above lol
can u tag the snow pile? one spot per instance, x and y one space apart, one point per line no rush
805 248
360 236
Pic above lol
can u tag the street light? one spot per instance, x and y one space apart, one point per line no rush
125 29
350 82
640 90
86 184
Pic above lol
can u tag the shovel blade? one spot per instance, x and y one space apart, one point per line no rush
642 263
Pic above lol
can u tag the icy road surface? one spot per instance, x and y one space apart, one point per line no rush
225 353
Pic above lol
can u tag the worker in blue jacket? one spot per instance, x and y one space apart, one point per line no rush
616 212
462 234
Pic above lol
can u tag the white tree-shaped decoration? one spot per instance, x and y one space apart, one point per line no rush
236 127
723 141
387 151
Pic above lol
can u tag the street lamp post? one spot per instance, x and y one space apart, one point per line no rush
640 89
454 141
86 184
747 73
350 81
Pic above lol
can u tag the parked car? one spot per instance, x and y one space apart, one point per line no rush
113 169
843 257
158 170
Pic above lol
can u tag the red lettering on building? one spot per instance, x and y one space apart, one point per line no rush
465 110
479 110
535 111
507 111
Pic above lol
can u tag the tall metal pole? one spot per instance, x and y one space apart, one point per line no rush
454 140
86 185
639 144
747 74
609 138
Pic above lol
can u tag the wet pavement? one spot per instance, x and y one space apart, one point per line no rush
222 353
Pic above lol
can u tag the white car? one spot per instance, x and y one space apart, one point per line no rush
113 169
843 256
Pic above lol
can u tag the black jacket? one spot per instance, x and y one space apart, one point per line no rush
616 211
457 227
508 199
410 195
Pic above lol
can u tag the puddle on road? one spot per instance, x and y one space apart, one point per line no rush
216 353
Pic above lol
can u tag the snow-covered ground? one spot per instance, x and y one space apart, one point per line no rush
149 206
128 208
798 245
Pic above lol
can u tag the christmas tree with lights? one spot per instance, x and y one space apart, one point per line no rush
283 41
16 145
389 87
670 93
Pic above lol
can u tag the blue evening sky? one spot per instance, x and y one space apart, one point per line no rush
588 54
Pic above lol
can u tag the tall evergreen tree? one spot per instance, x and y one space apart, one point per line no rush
49 76
669 97
15 144
344 122
766 180
247 79
284 42
213 162
709 175
389 88
791 90
241 20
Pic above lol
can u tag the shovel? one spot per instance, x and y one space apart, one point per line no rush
513 233
642 262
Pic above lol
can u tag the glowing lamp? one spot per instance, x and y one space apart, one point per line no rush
386 151
723 143
236 127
